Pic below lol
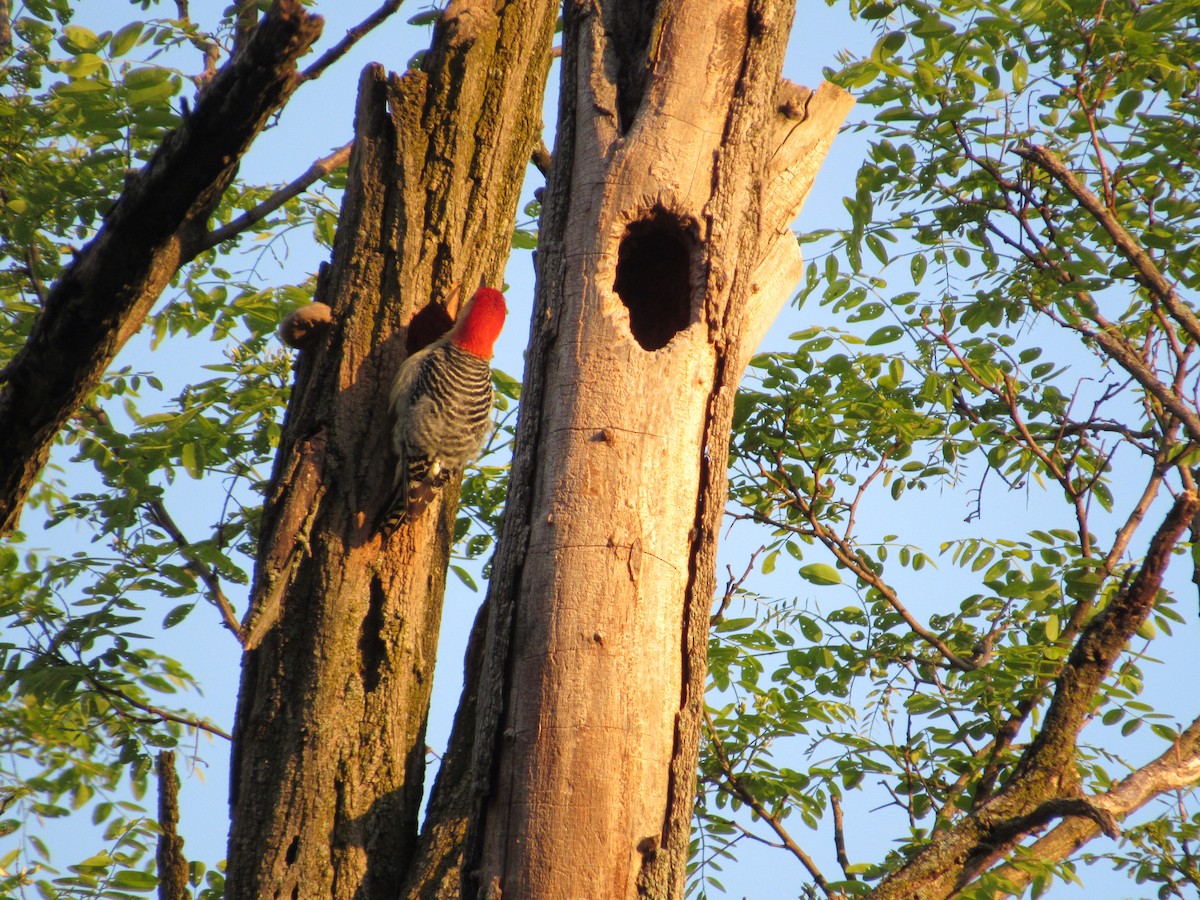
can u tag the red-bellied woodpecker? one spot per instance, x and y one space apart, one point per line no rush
441 406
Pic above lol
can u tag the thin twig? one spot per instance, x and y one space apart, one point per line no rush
156 711
353 35
158 512
734 785
210 49
732 585
318 170
845 554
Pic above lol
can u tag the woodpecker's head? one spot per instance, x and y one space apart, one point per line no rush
479 325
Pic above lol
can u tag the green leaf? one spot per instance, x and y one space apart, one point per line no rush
524 240
151 95
820 573
125 39
177 615
465 577
190 457
133 880
918 266
77 39
885 335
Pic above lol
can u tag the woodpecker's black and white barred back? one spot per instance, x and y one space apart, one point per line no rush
441 406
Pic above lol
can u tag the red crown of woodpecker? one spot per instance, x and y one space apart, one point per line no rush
478 327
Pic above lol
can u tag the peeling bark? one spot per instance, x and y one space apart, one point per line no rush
103 296
665 252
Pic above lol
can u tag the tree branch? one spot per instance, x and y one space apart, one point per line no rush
156 711
839 837
735 786
1052 751
318 170
172 864
352 37
210 49
1142 262
105 293
1177 768
1046 772
160 516
5 29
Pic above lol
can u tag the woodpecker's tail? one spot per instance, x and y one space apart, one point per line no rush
410 496
395 513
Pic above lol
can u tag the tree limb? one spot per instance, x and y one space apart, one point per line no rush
1046 772
352 37
1177 768
318 170
1142 262
172 864
5 29
1052 751
105 293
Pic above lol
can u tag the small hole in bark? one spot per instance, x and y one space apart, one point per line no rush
371 648
293 850
429 324
654 277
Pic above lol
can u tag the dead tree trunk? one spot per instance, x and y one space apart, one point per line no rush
681 160
329 750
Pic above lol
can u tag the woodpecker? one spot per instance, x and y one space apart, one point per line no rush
441 405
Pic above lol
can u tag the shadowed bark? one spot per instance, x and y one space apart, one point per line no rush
329 743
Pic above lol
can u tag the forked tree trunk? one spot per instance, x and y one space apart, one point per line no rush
329 751
681 160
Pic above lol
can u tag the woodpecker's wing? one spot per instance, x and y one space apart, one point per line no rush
399 406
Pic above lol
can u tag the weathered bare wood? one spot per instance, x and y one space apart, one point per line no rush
104 295
329 741
665 252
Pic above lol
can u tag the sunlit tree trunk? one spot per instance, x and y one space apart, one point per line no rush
329 750
681 160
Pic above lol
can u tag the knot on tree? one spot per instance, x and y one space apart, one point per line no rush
654 264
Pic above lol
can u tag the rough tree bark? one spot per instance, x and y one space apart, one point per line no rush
329 749
156 226
665 252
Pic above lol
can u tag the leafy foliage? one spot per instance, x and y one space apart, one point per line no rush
86 699
1009 320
